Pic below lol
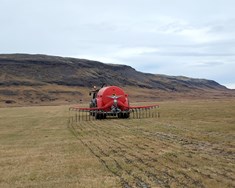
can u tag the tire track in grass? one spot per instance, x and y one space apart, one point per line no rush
138 181
149 174
100 154
123 156
219 164
108 134
192 181
73 130
141 159
148 171
193 144
128 161
195 170
186 145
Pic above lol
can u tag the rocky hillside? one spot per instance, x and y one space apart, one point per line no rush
37 70
38 77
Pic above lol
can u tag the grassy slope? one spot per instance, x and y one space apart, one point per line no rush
191 145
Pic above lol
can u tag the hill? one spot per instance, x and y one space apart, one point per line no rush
38 79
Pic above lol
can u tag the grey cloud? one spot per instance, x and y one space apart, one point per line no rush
207 64
184 33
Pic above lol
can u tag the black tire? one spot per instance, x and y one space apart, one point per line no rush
124 115
97 116
127 115
120 115
100 116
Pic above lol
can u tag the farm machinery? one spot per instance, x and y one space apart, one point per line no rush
112 102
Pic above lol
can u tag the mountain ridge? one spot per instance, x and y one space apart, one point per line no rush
24 60
37 72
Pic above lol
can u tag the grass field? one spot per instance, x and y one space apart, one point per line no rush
192 144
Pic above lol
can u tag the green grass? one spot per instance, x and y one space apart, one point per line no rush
190 145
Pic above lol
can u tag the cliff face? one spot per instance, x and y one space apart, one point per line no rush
28 76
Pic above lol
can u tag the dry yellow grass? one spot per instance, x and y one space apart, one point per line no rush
191 145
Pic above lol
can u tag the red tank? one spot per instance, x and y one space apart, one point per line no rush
112 98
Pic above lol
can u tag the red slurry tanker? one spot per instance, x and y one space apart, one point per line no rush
113 101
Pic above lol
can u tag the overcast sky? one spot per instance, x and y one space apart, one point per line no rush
194 38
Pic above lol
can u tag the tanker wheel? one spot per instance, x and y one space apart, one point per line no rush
124 115
97 116
100 116
127 115
120 115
